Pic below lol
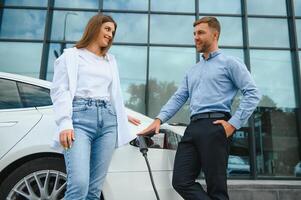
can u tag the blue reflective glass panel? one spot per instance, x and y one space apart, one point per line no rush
77 4
171 29
166 71
74 27
272 71
220 6
21 58
131 62
268 32
130 27
298 26
239 53
231 31
126 4
25 2
23 24
266 7
297 4
173 6
55 50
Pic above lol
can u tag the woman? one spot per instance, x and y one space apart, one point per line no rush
88 108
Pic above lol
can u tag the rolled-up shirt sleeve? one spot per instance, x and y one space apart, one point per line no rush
61 95
243 80
175 102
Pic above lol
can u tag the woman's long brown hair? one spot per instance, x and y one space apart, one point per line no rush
92 30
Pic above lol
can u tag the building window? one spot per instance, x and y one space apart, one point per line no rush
131 62
74 27
21 58
267 7
93 4
173 6
275 119
126 4
25 3
171 29
23 24
130 27
264 32
220 6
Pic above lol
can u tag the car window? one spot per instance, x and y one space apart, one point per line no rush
34 96
9 95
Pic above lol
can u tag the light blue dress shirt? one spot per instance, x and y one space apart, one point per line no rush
211 85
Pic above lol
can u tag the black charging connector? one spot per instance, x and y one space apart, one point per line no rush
143 149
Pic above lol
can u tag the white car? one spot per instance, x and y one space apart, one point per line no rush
30 169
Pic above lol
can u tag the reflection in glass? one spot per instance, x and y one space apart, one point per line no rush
126 4
220 6
231 31
131 62
277 144
239 53
272 71
25 3
298 27
9 95
34 96
297 4
173 62
93 4
130 27
266 32
266 7
55 50
275 119
173 6
22 24
300 61
21 58
171 29
75 24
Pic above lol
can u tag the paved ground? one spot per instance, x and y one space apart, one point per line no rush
264 190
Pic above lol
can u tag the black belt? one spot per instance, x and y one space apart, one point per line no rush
209 115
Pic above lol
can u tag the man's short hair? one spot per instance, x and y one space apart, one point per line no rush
211 21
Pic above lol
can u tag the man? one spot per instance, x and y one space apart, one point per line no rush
211 86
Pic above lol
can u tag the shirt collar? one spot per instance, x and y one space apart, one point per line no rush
212 54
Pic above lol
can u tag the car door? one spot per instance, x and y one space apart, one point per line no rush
16 119
128 177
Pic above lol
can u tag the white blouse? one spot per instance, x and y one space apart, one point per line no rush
94 76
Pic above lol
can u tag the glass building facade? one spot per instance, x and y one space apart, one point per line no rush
154 47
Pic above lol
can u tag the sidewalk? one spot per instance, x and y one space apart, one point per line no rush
263 189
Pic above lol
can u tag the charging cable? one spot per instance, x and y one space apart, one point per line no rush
143 149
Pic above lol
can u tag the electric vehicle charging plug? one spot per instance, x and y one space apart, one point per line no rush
143 149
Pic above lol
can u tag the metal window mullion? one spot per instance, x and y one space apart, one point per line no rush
251 135
47 34
197 16
146 100
100 6
296 71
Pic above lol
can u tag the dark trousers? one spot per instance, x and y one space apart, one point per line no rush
203 146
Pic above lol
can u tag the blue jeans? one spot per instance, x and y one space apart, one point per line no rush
87 161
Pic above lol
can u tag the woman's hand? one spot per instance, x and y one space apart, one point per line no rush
66 138
133 120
